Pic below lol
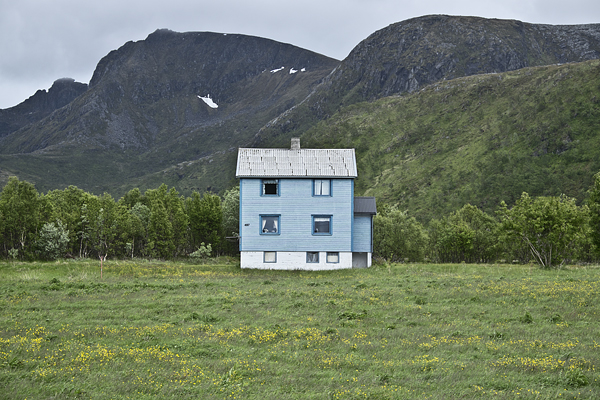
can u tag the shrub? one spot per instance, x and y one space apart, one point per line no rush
553 228
467 235
53 240
203 251
398 237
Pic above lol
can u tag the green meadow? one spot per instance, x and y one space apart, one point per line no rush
154 329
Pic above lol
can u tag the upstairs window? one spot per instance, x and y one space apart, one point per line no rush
269 224
270 187
321 225
322 187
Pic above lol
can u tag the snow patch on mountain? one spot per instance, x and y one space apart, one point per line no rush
209 101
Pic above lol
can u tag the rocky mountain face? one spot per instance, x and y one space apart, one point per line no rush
40 105
173 108
150 92
168 99
409 55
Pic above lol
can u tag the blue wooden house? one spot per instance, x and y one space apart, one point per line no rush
298 210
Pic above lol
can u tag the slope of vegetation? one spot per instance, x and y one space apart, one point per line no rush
475 140
175 330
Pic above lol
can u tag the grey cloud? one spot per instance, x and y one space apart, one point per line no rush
43 41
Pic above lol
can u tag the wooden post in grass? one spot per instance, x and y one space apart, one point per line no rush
102 259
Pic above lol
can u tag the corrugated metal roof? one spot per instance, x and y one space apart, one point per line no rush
365 205
307 163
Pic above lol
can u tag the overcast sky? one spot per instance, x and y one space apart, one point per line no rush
44 40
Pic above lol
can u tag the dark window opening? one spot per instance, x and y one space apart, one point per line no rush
322 225
271 187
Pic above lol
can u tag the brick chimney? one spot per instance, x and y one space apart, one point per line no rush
296 143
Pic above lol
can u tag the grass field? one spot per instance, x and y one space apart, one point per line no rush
152 329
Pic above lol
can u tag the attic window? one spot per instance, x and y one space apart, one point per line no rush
322 187
270 187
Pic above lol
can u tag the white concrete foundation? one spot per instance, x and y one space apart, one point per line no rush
294 260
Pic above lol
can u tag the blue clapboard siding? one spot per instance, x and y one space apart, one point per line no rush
361 242
296 205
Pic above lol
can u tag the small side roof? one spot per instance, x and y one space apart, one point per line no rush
296 163
365 205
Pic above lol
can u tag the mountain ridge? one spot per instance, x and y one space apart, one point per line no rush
407 55
142 121
41 104
139 75
143 110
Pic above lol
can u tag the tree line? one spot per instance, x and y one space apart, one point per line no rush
550 231
158 223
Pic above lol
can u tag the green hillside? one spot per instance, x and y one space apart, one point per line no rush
477 140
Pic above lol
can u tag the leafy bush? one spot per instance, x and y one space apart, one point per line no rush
398 237
53 240
553 228
467 235
13 253
593 203
203 251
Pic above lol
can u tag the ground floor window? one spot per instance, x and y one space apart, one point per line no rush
312 256
270 257
333 257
